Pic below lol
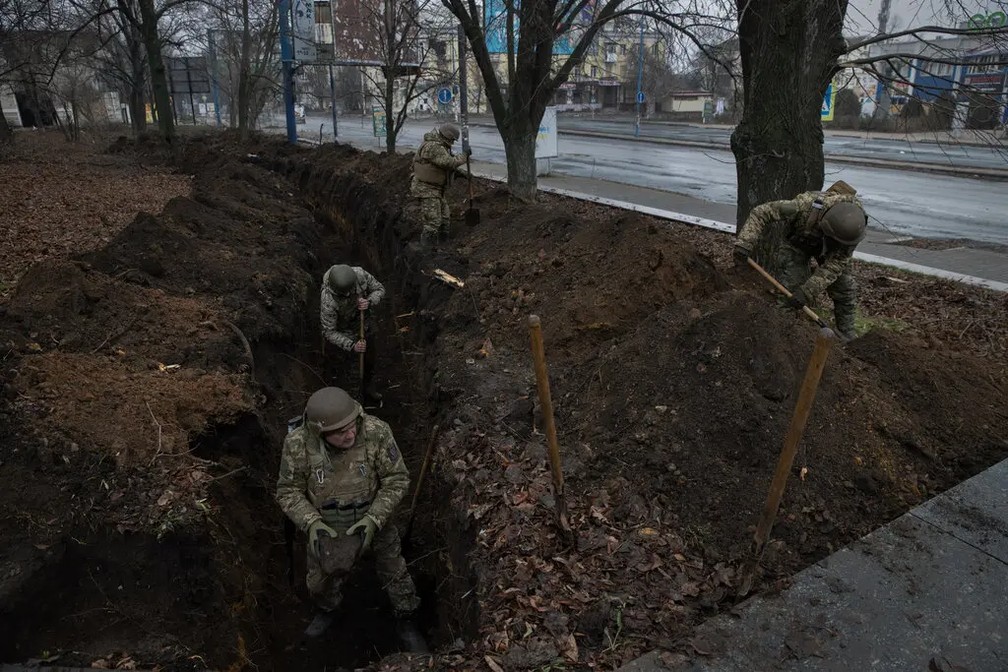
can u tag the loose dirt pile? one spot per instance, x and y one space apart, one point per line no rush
147 383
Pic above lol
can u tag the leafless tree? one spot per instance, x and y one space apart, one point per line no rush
531 73
408 67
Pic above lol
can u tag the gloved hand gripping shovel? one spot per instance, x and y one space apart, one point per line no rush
784 290
472 215
360 356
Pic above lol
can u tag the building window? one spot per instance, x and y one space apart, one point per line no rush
594 72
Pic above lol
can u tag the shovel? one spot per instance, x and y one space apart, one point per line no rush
472 215
784 290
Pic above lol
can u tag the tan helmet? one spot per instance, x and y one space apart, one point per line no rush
450 131
342 278
331 408
845 223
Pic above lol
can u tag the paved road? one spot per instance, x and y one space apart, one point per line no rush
890 149
900 202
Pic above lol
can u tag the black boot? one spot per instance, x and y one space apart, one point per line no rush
319 624
410 637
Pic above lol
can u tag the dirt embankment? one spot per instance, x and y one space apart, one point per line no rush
147 384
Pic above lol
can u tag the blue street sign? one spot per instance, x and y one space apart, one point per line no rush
640 96
444 95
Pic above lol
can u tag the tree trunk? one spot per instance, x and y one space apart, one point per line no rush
6 133
138 68
519 148
390 116
159 75
789 51
244 75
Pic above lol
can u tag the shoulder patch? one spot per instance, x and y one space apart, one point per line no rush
788 208
393 452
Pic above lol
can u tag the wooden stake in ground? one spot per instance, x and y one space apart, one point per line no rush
542 384
428 454
824 341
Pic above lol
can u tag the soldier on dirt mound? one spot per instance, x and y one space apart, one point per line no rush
433 168
341 477
348 292
821 226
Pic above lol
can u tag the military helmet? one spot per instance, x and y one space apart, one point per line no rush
845 223
331 408
450 131
342 278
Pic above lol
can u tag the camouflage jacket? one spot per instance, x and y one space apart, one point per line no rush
433 166
802 231
340 316
313 475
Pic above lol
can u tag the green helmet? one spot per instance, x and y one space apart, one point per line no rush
331 408
450 131
342 278
845 223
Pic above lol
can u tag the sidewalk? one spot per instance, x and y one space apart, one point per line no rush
925 592
977 266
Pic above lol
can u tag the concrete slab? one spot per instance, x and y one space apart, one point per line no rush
930 586
975 512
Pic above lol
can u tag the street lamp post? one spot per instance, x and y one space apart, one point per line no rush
287 58
640 78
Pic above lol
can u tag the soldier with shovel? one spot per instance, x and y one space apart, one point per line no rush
348 292
820 226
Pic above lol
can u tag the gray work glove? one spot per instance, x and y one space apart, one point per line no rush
740 256
314 531
367 526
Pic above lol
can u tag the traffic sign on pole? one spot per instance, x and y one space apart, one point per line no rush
444 95
640 97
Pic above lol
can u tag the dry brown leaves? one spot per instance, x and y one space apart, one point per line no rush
61 199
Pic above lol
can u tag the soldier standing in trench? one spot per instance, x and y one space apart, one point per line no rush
342 475
824 226
433 168
347 292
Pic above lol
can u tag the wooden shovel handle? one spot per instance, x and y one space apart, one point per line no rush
469 173
784 290
360 355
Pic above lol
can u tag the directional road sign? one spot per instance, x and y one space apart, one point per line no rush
640 96
444 95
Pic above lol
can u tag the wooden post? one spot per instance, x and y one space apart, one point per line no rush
824 341
553 448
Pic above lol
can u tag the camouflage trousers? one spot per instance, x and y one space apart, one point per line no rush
390 566
436 217
795 269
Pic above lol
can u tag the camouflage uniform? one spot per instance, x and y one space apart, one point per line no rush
433 168
341 317
339 487
803 242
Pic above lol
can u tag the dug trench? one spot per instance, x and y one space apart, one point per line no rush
149 384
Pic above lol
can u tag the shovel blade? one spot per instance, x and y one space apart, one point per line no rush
472 217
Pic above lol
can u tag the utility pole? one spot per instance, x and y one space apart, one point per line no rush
640 78
463 88
287 59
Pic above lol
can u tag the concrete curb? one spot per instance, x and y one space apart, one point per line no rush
724 227
935 168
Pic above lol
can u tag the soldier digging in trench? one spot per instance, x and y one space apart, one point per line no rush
341 477
433 168
347 293
821 226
